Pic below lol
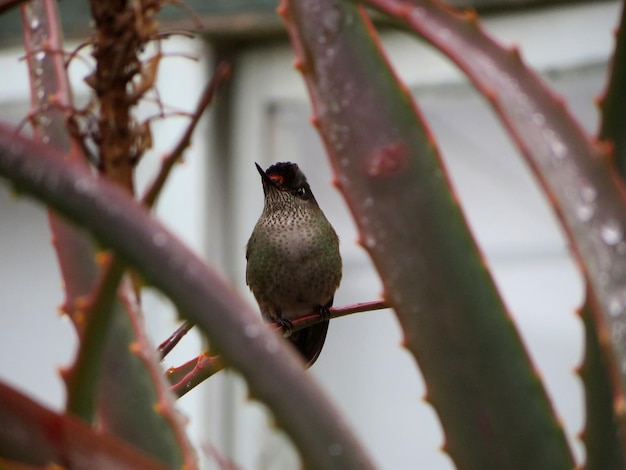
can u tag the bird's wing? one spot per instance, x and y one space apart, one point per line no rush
247 258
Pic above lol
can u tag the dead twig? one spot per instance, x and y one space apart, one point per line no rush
222 72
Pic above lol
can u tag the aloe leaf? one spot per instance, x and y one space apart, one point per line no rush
602 439
493 408
600 436
126 402
49 84
613 103
33 435
576 172
274 372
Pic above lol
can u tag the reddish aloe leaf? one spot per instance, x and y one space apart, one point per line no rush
131 377
51 97
33 435
492 406
577 174
273 370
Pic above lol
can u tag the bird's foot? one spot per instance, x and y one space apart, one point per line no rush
323 311
285 325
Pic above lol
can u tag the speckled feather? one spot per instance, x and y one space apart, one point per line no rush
294 266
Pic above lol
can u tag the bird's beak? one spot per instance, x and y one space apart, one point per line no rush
266 179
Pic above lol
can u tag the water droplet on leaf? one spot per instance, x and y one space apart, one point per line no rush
159 239
252 331
335 450
611 232
585 212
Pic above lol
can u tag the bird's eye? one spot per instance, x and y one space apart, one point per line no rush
301 191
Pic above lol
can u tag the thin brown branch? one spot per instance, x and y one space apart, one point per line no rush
197 19
170 343
315 317
192 373
76 54
222 73
296 324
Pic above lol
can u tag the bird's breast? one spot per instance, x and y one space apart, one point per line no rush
293 266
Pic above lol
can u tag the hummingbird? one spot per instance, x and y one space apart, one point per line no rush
293 261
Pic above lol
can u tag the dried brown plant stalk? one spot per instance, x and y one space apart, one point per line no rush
121 80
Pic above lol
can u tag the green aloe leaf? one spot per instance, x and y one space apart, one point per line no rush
600 436
576 172
493 408
613 103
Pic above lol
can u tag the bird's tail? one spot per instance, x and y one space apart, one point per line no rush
309 341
